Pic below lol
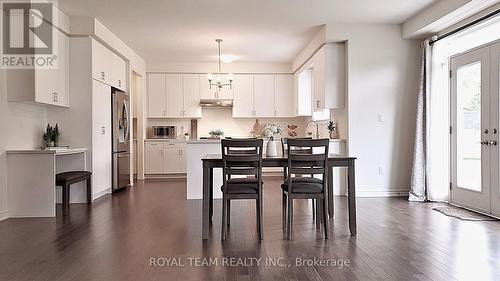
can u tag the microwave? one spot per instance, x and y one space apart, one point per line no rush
163 132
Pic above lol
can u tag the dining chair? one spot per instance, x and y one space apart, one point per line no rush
284 149
300 182
241 157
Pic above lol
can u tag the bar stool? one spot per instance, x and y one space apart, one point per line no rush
66 179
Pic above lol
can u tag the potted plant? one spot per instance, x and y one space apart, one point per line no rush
332 129
269 131
216 134
51 136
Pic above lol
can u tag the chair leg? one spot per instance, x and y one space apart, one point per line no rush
228 212
326 224
89 190
211 203
261 218
224 216
290 218
313 205
283 210
64 197
319 215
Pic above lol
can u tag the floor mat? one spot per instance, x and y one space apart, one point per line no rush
463 214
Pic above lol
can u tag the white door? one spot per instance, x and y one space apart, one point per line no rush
471 129
191 85
243 103
264 95
175 99
284 98
154 158
156 95
101 137
495 120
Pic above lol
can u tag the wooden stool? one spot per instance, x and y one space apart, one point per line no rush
68 178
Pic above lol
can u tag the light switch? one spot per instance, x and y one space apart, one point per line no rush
380 118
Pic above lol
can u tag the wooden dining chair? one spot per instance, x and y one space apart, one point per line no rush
284 149
241 157
301 183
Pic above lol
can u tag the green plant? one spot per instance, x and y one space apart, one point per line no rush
332 126
216 133
51 134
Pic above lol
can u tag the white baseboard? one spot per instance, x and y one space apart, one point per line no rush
4 215
100 194
382 193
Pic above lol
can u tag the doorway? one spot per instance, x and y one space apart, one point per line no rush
474 77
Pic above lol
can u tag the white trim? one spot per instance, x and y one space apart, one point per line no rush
4 215
474 210
382 193
101 193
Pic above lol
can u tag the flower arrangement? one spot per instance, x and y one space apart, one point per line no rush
271 130
216 133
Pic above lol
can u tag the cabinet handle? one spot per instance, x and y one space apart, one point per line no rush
103 75
161 152
317 104
119 83
103 130
57 96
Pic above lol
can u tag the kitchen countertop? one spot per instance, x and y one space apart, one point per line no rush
209 141
61 151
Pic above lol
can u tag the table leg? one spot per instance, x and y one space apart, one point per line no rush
351 186
206 204
330 192
211 193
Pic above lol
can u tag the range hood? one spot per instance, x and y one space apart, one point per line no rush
216 103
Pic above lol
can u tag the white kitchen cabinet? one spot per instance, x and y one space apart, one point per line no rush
154 163
264 95
226 93
108 67
43 85
175 96
191 94
101 136
243 103
118 72
207 92
283 95
157 98
165 157
101 63
329 77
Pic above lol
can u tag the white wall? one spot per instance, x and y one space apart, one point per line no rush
382 79
21 127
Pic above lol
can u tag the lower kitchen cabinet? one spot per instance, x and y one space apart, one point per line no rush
165 157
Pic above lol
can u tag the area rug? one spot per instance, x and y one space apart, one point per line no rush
463 214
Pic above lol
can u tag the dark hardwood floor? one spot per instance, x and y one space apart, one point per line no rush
117 236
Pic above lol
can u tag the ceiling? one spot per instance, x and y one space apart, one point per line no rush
253 30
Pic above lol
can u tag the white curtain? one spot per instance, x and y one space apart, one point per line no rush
419 185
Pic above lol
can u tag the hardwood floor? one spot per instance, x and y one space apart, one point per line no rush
117 236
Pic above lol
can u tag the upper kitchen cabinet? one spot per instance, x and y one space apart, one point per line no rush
49 86
264 95
173 95
303 92
175 99
191 88
329 75
283 97
243 103
157 98
108 67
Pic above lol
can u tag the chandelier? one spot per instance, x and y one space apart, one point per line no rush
220 79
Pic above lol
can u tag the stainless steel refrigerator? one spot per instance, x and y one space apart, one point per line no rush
121 139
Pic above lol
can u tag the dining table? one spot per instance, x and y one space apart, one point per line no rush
213 161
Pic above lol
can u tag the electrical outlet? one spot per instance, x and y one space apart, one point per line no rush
380 170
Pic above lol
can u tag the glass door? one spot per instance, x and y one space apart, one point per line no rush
494 137
471 129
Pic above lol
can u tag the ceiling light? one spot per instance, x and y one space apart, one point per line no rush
220 79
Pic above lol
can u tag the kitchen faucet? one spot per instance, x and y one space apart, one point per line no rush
317 128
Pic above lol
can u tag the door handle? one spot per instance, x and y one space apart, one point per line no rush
492 143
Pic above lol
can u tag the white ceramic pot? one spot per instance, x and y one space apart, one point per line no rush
271 148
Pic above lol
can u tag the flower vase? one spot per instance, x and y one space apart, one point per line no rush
271 148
